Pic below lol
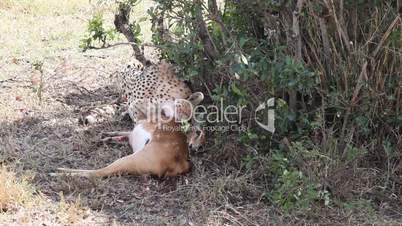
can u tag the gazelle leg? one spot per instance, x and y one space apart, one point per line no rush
116 136
139 163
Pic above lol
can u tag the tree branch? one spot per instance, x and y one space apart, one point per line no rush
298 50
203 34
122 21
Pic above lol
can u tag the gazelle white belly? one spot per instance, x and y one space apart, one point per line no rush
138 138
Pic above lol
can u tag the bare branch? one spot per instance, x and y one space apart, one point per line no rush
121 21
203 33
298 50
107 46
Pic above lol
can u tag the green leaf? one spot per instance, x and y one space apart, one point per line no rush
142 19
236 90
242 41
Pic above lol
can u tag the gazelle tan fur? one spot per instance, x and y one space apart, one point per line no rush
159 145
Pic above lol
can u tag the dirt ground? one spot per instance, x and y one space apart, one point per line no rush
38 137
40 131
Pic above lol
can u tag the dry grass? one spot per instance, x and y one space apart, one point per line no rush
43 7
36 28
38 137
21 204
13 192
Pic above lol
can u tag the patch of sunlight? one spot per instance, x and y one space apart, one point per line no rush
42 32
22 204
43 7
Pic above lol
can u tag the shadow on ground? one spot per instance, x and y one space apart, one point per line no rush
42 141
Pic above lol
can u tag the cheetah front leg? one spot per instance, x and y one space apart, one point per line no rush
126 115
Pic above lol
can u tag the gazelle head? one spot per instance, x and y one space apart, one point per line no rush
196 135
179 110
195 138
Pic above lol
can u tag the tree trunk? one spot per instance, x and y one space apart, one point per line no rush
203 33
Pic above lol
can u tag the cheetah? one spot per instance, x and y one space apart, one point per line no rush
156 84
152 84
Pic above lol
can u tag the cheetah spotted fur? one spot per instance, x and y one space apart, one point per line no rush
156 83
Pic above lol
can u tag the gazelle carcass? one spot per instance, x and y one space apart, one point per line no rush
159 145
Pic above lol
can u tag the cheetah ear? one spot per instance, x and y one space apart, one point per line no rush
196 98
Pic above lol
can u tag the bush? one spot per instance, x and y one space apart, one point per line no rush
335 74
97 33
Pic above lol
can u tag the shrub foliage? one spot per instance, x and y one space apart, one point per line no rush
334 68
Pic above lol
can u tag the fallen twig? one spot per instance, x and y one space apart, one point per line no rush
124 43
